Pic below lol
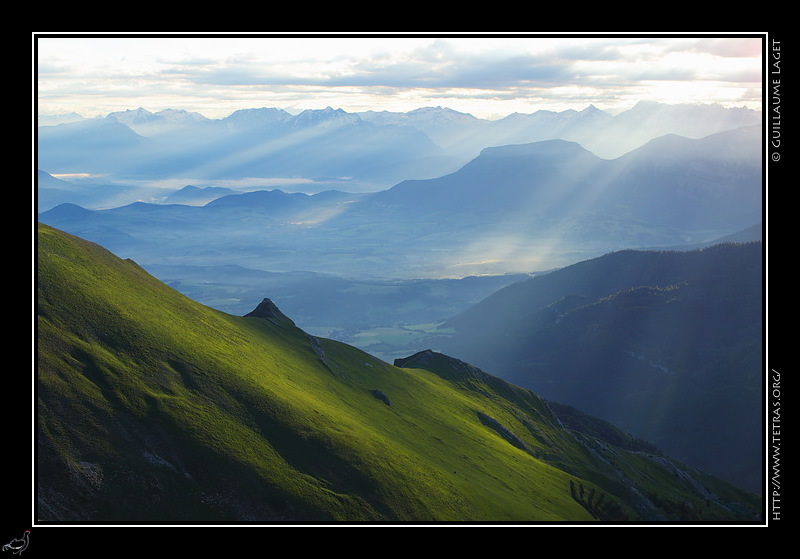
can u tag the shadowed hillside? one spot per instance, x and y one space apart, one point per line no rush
666 345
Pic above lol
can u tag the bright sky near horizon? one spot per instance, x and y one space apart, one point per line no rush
489 76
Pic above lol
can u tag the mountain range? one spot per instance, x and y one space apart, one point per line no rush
266 143
516 208
604 134
670 184
364 151
576 255
154 408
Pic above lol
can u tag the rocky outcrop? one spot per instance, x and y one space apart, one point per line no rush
268 310
501 430
443 365
382 397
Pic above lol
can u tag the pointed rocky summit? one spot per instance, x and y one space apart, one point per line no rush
268 310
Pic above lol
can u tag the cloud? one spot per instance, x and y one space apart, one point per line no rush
745 47
386 72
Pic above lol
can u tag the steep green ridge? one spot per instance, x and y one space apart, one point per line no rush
152 407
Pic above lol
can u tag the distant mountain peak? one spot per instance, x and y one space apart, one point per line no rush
544 147
593 112
133 116
52 120
325 117
252 118
180 115
67 210
438 110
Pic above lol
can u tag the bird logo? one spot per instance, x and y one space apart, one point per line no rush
18 545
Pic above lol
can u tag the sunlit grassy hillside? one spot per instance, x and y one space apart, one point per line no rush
152 407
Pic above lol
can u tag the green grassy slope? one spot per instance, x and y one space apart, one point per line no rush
152 407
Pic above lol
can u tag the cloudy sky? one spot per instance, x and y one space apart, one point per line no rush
487 76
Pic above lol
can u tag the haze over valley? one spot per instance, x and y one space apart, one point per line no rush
516 220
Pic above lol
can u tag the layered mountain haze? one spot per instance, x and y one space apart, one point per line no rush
517 208
711 182
608 136
265 143
152 407
367 151
219 302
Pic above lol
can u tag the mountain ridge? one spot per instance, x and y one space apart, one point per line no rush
426 142
644 339
241 419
